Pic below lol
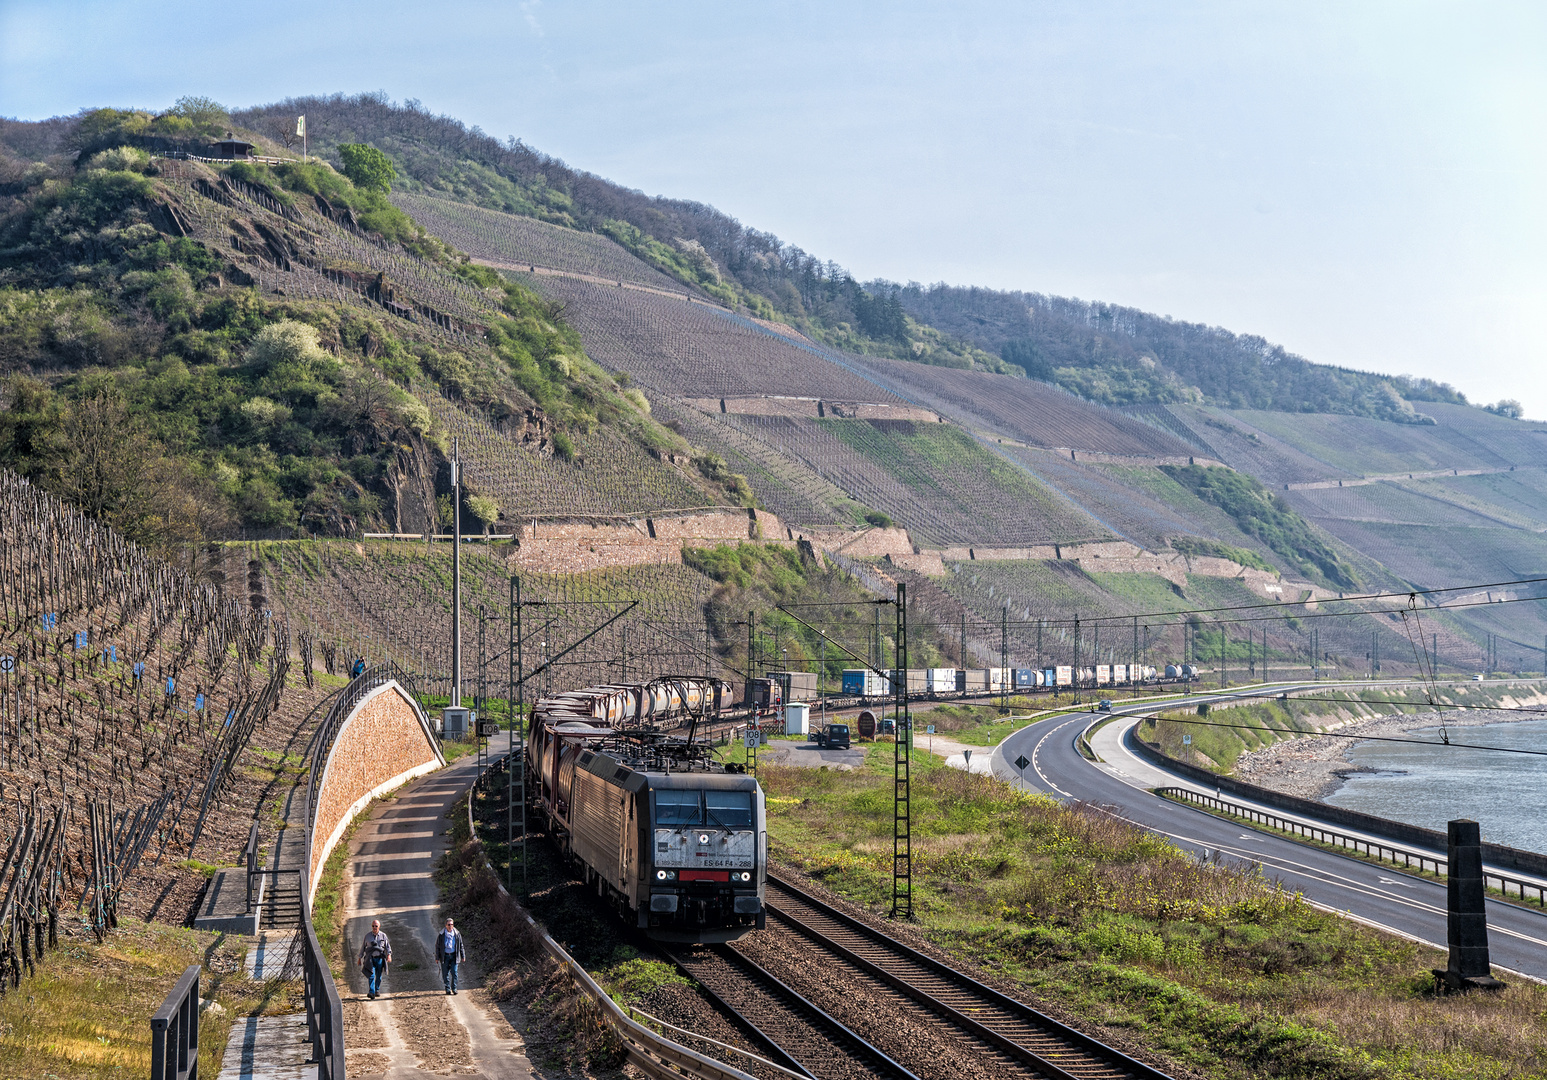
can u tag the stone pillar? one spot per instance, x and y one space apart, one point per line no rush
1467 926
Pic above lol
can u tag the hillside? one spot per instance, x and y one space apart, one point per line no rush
615 359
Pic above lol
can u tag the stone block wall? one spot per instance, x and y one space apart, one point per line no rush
383 743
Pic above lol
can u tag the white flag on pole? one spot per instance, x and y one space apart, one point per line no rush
300 126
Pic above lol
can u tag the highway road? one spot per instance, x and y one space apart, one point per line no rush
1388 899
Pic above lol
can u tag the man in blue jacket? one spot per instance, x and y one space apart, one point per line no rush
451 952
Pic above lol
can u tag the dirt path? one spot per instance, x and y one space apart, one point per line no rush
414 1029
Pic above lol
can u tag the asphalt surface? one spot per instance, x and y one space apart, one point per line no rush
1388 899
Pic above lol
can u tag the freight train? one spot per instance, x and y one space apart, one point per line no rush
673 839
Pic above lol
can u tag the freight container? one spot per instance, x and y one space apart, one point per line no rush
972 681
865 683
1049 677
1000 678
1027 678
917 679
1103 674
939 680
797 718
1119 673
1065 675
797 685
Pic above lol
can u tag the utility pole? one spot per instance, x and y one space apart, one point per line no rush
1133 672
1004 658
963 652
515 701
902 757
456 575
1076 660
1221 656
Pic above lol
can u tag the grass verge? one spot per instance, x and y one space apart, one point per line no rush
1224 973
86 1014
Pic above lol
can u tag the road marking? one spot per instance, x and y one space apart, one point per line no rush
1394 881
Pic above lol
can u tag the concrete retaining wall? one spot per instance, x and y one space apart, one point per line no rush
384 743
1504 858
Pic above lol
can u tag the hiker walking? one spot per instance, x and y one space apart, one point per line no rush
450 950
375 955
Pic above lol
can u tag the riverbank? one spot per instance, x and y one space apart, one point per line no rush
1316 766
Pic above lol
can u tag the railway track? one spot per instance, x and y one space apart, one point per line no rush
1001 1025
793 1031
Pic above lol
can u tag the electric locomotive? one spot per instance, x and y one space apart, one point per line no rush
676 841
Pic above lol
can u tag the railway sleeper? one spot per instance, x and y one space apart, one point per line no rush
1103 1061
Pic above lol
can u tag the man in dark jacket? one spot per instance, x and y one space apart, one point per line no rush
375 955
451 952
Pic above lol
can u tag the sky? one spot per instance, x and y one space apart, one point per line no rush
1359 182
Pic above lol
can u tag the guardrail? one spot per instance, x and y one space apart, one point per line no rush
174 1031
654 1054
1363 845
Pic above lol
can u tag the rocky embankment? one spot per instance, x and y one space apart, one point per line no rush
1312 767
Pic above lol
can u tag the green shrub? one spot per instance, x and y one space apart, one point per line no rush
368 167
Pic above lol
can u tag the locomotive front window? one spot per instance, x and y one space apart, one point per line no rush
677 808
730 809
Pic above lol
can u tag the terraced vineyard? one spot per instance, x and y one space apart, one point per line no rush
1463 439
1385 502
391 600
524 241
694 350
933 479
608 475
1103 491
1252 450
783 485
1034 412
298 252
1519 497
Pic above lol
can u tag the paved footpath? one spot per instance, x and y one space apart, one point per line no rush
414 1029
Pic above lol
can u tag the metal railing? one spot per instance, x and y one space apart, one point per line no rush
174 1031
344 704
1409 859
324 1008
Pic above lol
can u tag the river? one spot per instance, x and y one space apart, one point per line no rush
1430 785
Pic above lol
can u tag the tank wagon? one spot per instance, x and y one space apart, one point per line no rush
674 840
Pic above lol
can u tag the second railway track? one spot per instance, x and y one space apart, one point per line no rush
1008 1032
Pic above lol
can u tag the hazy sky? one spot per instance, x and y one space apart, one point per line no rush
1360 182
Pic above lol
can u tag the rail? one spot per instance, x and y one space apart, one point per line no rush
654 1054
1363 845
174 1031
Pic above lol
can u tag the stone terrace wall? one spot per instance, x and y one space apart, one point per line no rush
384 743
572 547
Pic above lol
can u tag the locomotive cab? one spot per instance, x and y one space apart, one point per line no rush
706 845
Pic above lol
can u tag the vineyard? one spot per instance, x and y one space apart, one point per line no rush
1030 411
392 601
784 485
1363 447
606 475
1255 451
513 240
694 350
133 702
1125 508
299 252
935 480
1518 497
1385 502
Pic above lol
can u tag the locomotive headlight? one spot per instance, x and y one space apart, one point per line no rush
746 875
660 875
703 838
